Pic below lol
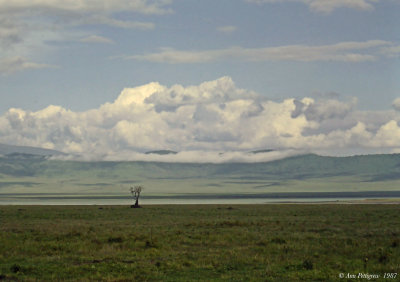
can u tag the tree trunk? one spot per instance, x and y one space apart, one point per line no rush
136 205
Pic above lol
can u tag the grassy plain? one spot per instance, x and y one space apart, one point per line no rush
198 242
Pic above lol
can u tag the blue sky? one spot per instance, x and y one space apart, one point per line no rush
80 55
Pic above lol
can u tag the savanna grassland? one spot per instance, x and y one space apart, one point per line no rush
277 242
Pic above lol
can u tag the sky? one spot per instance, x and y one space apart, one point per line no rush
114 79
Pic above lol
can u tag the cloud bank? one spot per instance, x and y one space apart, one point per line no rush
97 39
26 27
327 6
15 64
350 51
214 116
227 29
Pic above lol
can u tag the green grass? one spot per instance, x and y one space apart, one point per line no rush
205 242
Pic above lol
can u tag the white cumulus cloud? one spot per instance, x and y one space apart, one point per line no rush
396 104
200 122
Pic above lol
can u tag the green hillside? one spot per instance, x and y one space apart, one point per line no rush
372 167
11 149
24 173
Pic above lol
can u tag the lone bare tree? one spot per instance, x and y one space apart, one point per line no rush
135 191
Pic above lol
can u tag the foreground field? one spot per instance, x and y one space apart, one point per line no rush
207 242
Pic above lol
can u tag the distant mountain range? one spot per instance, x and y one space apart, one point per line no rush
308 166
16 150
26 151
21 161
31 170
162 152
